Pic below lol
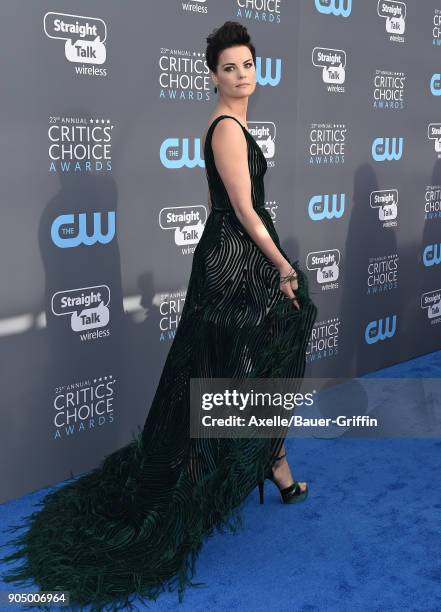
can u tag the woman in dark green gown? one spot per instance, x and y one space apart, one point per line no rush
133 526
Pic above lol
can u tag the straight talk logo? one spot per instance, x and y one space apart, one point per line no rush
84 39
195 6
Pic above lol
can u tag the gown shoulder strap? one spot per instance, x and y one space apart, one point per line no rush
219 117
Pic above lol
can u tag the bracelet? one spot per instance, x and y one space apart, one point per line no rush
291 276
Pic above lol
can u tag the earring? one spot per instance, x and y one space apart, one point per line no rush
215 89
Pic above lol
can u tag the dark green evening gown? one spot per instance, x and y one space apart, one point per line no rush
133 526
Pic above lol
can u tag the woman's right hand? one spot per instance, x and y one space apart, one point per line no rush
290 286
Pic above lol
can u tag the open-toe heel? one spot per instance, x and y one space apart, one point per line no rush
289 495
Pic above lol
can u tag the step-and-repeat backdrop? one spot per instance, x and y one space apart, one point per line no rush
104 198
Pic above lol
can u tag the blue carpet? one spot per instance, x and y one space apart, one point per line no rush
367 538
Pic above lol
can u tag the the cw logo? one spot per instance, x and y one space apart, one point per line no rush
381 329
387 148
172 157
435 84
268 79
432 255
319 207
334 7
65 233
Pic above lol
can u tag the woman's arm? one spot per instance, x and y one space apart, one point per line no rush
231 158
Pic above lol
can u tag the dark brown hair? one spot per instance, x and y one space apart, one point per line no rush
230 34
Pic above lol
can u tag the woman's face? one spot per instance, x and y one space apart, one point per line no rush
236 67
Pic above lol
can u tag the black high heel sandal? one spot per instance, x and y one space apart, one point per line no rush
289 495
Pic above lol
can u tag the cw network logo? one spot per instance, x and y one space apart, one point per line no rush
435 84
380 329
340 8
268 78
173 154
320 207
387 149
68 231
432 255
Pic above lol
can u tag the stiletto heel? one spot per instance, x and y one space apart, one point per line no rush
289 495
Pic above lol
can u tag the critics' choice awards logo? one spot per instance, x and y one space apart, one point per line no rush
170 306
380 329
272 206
432 202
436 32
87 307
77 229
328 206
333 67
187 224
389 90
432 255
394 14
184 75
387 149
326 264
386 202
382 274
339 8
431 303
77 144
323 342
84 39
264 11
327 144
83 406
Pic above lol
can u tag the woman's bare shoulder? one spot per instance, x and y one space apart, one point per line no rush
211 119
228 130
228 134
